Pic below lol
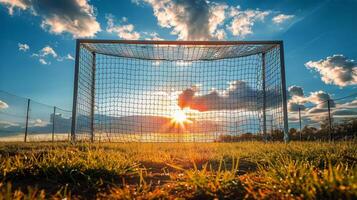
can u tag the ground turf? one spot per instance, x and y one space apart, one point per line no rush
251 170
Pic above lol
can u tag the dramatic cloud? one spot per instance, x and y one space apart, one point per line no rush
7 124
297 99
336 69
123 31
315 110
352 104
203 20
76 17
319 109
238 96
188 19
293 107
3 105
320 98
244 20
281 18
296 91
23 47
206 20
344 112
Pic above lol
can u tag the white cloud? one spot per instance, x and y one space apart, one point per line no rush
281 18
217 18
69 57
152 36
7 124
43 61
244 20
11 4
336 69
123 31
75 17
23 47
47 50
3 105
38 123
220 34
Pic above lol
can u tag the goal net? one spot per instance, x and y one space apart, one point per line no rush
179 91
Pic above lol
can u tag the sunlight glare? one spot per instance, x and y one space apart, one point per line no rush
179 118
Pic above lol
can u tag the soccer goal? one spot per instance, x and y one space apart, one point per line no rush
179 91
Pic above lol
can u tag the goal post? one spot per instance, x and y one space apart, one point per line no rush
179 91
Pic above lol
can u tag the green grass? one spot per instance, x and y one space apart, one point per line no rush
245 170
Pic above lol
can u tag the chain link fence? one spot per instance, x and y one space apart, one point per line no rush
332 119
23 119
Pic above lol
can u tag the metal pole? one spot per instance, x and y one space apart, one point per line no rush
53 123
93 96
329 119
300 123
75 92
264 99
283 88
27 119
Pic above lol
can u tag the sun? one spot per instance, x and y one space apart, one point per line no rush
180 118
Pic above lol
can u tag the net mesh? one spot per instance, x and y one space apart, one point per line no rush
178 93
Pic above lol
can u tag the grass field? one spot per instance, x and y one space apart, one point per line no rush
245 170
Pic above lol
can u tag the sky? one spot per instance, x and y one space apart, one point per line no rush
38 39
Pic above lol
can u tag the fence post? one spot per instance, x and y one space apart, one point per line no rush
53 123
329 119
300 124
27 119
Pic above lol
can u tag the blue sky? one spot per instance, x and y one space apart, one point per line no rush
38 43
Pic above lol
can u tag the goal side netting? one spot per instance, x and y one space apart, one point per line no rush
157 91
